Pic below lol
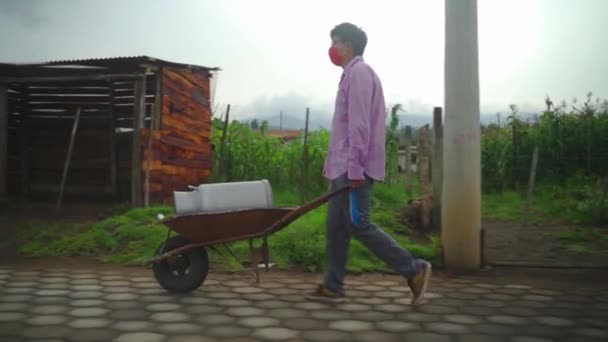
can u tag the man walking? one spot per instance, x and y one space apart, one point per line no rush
356 157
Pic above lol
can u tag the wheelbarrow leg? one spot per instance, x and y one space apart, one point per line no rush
258 255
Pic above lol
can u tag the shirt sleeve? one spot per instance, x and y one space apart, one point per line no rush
359 104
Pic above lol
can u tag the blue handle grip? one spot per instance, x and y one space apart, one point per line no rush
354 207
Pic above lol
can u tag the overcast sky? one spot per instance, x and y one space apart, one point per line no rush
274 53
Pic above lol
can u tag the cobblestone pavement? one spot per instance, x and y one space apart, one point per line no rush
126 304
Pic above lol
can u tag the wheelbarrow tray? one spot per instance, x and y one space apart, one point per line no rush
222 227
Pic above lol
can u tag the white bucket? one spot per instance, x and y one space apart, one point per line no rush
224 197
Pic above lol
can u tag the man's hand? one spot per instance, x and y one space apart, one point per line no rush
355 183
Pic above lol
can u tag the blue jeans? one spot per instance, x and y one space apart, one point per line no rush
348 213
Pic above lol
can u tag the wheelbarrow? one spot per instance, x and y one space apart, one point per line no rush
181 262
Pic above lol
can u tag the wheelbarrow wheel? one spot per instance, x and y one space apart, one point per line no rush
184 272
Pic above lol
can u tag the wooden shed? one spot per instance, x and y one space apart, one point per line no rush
80 129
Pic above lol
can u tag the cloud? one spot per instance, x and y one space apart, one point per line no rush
26 13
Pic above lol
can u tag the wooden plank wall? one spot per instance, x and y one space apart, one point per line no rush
181 149
41 116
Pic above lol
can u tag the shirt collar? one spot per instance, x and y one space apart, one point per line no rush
350 64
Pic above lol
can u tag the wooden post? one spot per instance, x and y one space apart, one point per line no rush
66 165
304 185
437 171
3 140
423 158
154 125
408 159
158 101
139 112
24 148
223 143
461 195
112 137
531 185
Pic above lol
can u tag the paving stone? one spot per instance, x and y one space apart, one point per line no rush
174 328
519 311
258 322
477 310
592 332
227 331
86 294
517 286
286 313
191 338
302 323
157 299
371 316
475 290
113 283
296 298
311 306
13 307
121 296
244 311
326 335
257 296
84 276
499 296
204 309
437 309
354 307
194 300
170 317
393 308
375 336
350 325
122 305
221 295
545 331
233 302
46 320
283 291
163 307
450 302
236 283
505 319
22 284
357 294
462 319
372 288
275 333
494 329
372 300
426 337
329 314
21 290
529 339
130 314
15 298
141 337
538 298
421 317
397 326
403 289
88 312
83 323
46 287
247 290
479 338
216 319
303 286
133 325
555 321
11 316
273 304
86 287
460 295
488 303
447 328
48 300
271 285
57 331
529 304
119 289
85 282
52 292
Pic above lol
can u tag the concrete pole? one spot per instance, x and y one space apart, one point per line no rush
461 200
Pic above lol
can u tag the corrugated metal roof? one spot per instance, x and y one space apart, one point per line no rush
109 62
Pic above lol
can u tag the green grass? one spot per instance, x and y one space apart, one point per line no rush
579 249
132 236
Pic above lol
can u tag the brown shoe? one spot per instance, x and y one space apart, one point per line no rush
324 294
419 282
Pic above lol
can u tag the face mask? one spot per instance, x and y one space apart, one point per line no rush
334 56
